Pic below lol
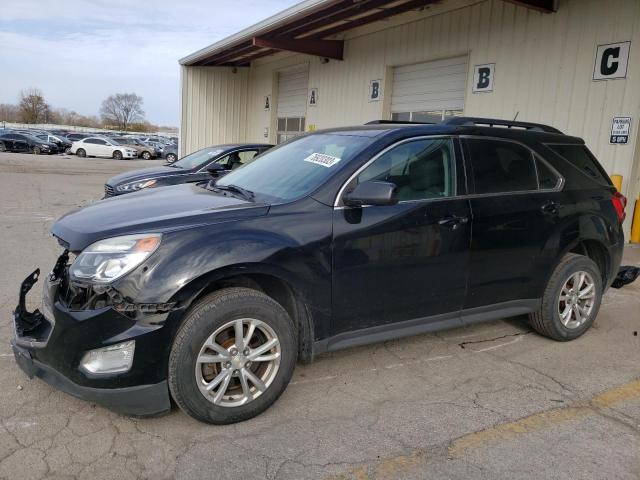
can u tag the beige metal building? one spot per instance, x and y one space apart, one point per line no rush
572 64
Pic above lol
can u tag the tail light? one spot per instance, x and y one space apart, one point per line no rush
619 203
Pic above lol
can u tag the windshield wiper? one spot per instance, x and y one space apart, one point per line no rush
243 192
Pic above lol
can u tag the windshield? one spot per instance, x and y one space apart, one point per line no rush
296 168
197 159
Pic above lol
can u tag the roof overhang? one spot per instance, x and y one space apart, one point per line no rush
305 28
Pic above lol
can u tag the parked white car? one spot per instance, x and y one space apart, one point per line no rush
102 147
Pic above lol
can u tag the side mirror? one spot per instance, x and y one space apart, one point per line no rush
372 193
215 168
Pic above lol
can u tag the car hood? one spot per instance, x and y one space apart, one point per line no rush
150 210
144 173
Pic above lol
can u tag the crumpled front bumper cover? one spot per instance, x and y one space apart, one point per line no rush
51 351
140 400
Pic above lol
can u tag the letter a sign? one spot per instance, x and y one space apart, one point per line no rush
483 77
611 61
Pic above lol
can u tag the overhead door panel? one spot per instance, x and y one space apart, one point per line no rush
292 92
430 86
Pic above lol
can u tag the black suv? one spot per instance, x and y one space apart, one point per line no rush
210 293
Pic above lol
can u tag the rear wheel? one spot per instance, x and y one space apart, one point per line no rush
171 157
81 152
117 155
571 300
146 155
233 356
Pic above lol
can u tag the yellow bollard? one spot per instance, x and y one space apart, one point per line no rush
635 226
617 182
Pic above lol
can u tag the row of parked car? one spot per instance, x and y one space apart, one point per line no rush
112 145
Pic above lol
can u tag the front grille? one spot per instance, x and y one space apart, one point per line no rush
108 190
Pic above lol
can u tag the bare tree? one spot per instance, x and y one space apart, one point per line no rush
9 113
122 109
33 108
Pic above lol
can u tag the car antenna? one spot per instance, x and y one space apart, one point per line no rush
517 113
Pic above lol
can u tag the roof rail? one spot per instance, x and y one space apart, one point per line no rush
492 122
397 122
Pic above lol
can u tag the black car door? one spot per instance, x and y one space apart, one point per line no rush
515 206
409 260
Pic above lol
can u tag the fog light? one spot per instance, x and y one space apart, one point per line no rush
112 359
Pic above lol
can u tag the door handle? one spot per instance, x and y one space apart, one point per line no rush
550 208
453 221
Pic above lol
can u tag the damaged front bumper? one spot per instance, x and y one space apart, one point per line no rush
51 341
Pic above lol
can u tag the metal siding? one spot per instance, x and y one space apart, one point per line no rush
214 107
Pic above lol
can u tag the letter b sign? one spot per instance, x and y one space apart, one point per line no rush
483 77
611 61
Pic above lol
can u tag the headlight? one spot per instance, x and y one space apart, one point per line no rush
132 187
107 260
44 146
131 152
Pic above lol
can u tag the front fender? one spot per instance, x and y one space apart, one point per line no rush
293 245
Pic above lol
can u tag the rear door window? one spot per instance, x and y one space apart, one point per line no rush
581 158
501 166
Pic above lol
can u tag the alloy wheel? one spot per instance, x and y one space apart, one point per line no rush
576 299
238 362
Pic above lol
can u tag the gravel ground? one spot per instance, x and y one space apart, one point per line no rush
490 401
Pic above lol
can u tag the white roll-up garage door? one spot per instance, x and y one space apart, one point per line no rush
292 92
436 86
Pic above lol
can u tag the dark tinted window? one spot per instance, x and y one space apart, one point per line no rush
581 158
546 177
501 166
92 140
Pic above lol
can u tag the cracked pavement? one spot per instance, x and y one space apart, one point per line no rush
489 401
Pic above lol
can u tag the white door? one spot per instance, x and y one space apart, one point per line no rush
292 102
429 92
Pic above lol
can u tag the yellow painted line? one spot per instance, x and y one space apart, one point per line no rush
386 469
629 391
549 418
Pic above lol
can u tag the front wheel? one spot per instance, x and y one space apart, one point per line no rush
146 155
232 357
117 155
571 300
81 153
171 157
37 151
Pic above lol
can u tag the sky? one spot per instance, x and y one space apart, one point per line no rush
78 52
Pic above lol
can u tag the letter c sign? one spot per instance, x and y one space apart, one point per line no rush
611 61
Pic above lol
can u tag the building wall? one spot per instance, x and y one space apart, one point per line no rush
214 107
544 65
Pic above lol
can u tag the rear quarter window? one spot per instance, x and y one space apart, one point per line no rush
581 158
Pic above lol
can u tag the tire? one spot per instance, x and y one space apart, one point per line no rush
81 152
37 151
67 151
219 310
146 155
171 157
548 320
117 155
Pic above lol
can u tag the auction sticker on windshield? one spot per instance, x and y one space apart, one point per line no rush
322 159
